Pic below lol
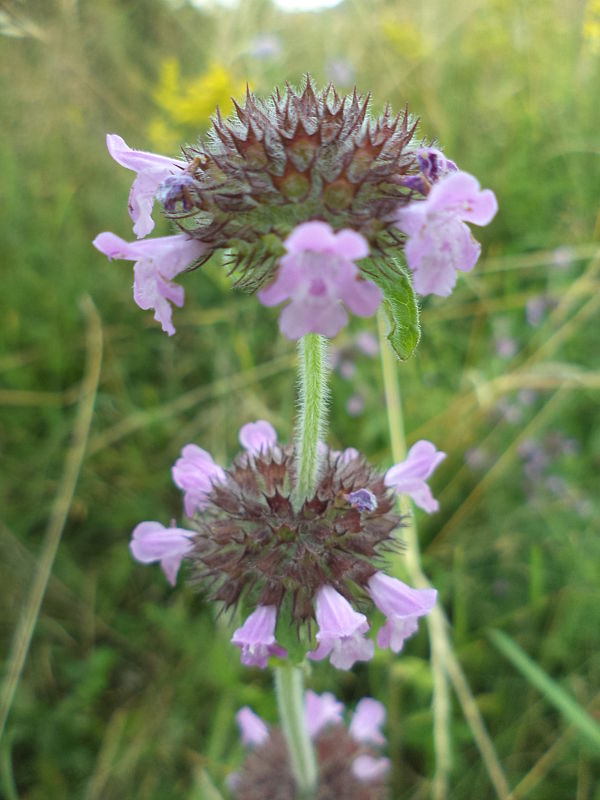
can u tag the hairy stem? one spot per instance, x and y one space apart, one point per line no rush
313 407
289 688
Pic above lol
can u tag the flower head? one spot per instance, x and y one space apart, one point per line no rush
349 765
151 170
409 476
317 275
256 638
402 606
158 261
439 243
151 541
341 631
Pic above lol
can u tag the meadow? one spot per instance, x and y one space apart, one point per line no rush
129 688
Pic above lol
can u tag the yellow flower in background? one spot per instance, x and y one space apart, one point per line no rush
591 27
189 102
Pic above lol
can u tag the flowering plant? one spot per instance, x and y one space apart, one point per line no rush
321 207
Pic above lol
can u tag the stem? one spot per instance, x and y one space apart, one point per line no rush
313 407
444 663
289 688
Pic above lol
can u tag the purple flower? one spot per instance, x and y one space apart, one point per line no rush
367 721
318 274
151 541
367 343
409 476
363 500
439 243
253 730
158 261
257 436
506 347
368 768
341 630
151 171
256 638
402 606
355 405
195 473
321 711
434 165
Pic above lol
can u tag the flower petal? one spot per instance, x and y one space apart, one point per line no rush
257 436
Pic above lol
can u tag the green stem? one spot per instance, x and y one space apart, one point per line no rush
289 688
313 407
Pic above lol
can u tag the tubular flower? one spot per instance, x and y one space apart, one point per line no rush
402 606
341 630
349 765
409 476
151 541
158 261
195 472
434 165
439 243
256 638
318 274
151 170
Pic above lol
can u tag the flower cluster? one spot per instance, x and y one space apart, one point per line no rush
349 761
248 542
312 199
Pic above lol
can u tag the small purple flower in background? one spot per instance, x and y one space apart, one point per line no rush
317 275
368 768
321 711
151 171
265 46
535 309
253 730
158 261
256 437
151 541
256 638
340 71
506 347
439 243
355 405
402 606
341 631
367 343
409 476
194 473
563 257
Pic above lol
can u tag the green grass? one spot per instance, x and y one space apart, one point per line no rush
129 688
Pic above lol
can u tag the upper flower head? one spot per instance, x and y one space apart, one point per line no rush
151 541
439 243
158 261
409 476
151 170
319 274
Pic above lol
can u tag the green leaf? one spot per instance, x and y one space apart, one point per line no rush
552 691
399 305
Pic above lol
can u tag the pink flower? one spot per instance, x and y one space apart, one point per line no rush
439 243
256 638
318 274
367 720
253 730
434 166
368 768
195 473
320 711
257 436
402 607
409 476
151 172
341 631
157 262
151 541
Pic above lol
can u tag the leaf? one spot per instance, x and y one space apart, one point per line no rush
206 788
551 690
399 306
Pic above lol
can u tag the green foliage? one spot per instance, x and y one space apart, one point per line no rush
399 306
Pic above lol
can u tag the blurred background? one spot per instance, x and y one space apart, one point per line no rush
130 688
